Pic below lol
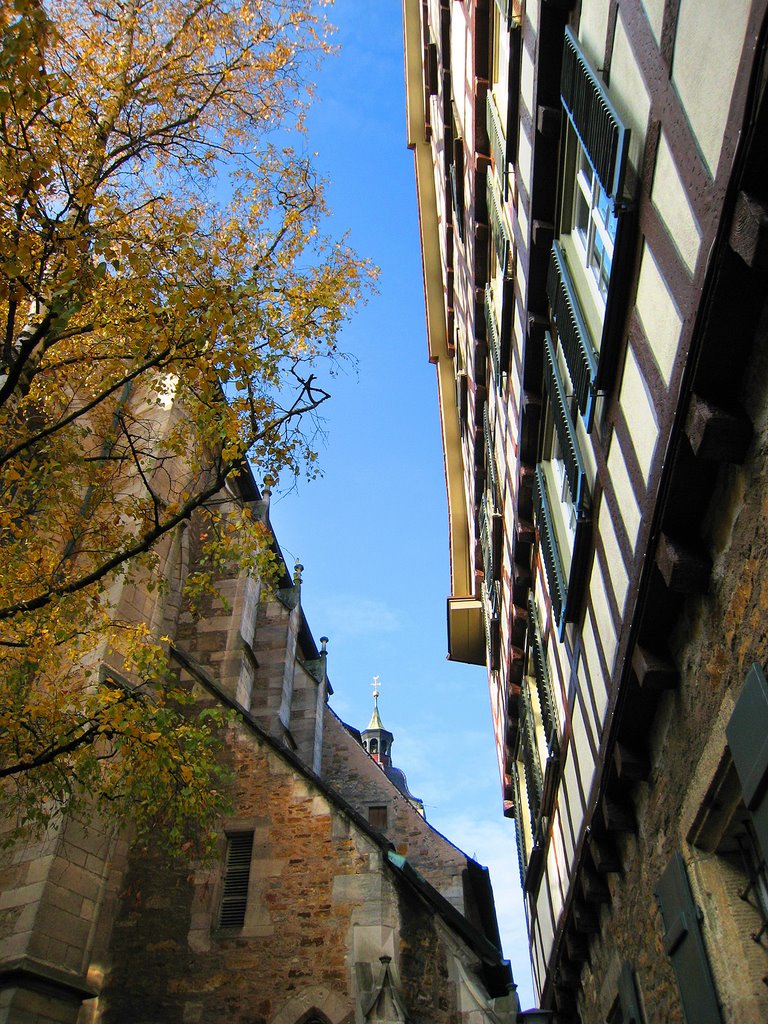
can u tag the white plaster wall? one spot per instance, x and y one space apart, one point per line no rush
669 197
625 496
658 314
592 661
593 28
616 569
526 79
628 92
586 762
708 47
637 406
524 157
603 617
654 11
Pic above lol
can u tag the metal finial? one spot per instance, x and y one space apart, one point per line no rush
298 569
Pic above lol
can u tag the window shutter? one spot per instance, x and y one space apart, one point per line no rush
522 860
501 240
541 672
566 432
490 539
579 351
498 142
594 117
684 945
630 1004
550 554
490 454
747 733
234 897
492 616
534 780
493 336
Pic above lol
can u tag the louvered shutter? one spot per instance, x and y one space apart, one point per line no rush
578 348
541 672
684 945
747 733
234 898
566 431
594 118
550 553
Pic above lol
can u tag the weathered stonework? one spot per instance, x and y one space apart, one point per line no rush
334 926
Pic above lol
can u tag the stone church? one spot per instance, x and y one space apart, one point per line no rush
332 899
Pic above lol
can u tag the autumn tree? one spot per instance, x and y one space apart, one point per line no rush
167 294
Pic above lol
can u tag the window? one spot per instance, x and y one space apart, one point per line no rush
561 496
626 1008
585 292
593 226
237 870
377 816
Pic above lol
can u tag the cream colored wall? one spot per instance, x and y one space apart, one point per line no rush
658 313
637 406
654 11
593 29
708 47
628 92
671 201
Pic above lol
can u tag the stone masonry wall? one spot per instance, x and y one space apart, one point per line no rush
314 876
348 767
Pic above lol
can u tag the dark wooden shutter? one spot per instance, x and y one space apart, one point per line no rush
630 1004
234 897
684 945
578 347
747 733
550 553
541 672
594 117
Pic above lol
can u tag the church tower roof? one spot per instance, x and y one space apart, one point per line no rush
378 742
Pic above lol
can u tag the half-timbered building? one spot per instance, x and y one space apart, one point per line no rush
592 190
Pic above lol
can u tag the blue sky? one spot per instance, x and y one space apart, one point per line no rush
372 532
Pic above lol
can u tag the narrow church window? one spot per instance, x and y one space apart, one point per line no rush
377 817
234 896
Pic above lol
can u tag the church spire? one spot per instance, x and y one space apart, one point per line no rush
376 739
378 742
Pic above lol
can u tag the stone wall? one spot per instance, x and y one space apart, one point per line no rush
313 877
349 768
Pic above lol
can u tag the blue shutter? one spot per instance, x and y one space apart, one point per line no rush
566 431
684 945
550 553
541 673
594 117
572 330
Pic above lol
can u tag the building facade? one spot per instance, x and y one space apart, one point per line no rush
331 899
592 201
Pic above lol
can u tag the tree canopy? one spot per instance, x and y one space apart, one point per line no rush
167 292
